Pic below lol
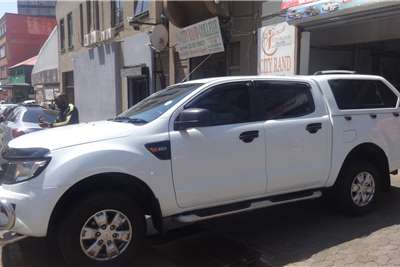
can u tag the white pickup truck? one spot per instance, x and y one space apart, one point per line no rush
198 150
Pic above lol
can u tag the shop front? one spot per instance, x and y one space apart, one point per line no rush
355 35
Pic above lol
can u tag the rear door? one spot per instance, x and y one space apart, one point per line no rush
297 135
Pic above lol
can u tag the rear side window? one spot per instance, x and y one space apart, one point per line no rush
14 114
283 100
362 94
33 115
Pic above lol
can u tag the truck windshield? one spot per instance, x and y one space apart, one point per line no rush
155 105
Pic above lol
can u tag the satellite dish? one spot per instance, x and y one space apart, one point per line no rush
159 37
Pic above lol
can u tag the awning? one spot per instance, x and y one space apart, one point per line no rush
13 85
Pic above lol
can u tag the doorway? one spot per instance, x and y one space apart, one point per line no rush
138 89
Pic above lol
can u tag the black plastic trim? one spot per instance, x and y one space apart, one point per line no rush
161 150
246 204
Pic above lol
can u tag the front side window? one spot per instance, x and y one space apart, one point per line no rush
362 94
157 104
228 103
283 100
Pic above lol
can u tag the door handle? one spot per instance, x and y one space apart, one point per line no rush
314 127
248 136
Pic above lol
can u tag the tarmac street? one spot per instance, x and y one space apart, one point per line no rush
300 234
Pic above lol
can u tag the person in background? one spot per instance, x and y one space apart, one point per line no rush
68 113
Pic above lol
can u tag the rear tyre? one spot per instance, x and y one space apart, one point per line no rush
358 188
102 230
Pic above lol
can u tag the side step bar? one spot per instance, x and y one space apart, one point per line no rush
208 213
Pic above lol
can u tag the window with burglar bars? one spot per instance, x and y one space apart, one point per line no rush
62 35
141 8
117 13
70 31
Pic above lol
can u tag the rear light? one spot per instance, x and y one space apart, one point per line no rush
17 132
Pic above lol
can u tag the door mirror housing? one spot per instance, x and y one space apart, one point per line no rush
192 118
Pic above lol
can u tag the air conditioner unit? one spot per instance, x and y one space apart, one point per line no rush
95 37
103 36
109 34
86 40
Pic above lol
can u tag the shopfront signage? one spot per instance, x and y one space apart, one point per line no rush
291 3
277 49
320 8
200 39
49 93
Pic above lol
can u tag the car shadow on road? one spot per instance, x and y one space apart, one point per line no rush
295 232
269 237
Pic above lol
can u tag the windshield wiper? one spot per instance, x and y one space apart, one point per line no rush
130 120
121 118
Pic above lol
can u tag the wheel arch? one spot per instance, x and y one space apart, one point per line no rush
121 182
372 153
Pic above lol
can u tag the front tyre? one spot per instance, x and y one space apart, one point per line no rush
102 230
358 188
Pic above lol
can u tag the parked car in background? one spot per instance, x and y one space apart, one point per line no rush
4 107
23 119
29 102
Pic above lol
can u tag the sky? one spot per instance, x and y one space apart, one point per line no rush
8 6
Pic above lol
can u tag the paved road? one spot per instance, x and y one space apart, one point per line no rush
300 234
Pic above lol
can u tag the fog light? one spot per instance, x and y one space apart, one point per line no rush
7 215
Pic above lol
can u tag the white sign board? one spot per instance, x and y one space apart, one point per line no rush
199 39
277 49
49 94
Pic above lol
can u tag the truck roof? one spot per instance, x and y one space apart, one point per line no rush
287 78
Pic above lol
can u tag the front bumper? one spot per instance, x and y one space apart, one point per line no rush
26 213
7 222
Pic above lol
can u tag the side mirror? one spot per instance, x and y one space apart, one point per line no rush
191 118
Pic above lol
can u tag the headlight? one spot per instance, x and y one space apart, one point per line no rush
21 170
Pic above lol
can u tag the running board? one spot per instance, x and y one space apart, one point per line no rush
208 213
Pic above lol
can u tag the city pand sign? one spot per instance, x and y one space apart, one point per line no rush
277 49
200 39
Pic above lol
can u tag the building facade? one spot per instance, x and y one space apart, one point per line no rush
20 38
45 72
19 81
105 64
37 7
107 61
355 35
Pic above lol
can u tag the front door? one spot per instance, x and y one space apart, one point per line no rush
138 89
298 136
217 163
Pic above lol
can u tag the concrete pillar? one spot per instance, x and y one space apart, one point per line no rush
304 53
